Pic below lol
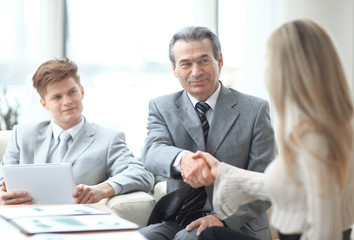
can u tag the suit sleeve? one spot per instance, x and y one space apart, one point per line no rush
159 152
12 152
124 169
262 152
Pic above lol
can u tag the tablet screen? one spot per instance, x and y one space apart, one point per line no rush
50 183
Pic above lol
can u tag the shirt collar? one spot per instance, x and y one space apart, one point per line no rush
211 101
74 131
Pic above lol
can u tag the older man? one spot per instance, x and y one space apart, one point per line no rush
206 116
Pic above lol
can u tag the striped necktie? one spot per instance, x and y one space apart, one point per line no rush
202 108
195 200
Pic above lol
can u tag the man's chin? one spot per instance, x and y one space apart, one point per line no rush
71 121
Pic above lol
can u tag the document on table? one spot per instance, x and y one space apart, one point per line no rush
34 219
73 223
58 236
48 210
67 236
6 227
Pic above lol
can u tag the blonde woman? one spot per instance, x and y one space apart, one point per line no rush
311 182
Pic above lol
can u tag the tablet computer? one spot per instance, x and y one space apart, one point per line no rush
48 183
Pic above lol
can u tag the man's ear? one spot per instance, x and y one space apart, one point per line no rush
174 70
220 61
82 91
43 103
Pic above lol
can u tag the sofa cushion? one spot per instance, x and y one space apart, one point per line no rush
135 207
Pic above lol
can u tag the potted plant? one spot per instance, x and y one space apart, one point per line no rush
8 112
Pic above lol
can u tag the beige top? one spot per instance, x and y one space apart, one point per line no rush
297 206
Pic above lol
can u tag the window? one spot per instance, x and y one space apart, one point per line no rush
121 48
243 30
23 46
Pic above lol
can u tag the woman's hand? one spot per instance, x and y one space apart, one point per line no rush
212 162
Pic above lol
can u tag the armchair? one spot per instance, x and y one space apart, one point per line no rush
135 207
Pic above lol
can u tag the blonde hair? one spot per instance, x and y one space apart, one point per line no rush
310 93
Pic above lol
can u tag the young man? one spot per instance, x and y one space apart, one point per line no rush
102 164
206 116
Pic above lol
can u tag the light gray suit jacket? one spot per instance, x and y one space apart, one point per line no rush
240 134
96 154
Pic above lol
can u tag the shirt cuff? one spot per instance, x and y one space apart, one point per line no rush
176 165
116 187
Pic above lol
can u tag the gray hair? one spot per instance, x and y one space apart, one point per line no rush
193 33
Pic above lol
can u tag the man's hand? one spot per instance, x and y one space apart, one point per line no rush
212 162
92 194
203 223
15 197
195 170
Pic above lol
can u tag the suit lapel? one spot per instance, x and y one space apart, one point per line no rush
42 144
83 140
190 120
224 116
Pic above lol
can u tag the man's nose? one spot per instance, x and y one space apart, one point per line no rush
196 70
66 99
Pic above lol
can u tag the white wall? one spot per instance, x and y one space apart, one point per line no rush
263 16
51 25
205 13
336 16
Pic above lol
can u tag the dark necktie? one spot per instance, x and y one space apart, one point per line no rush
195 200
202 108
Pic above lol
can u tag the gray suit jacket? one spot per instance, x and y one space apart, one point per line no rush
240 134
97 154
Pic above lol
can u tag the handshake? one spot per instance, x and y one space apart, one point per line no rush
199 169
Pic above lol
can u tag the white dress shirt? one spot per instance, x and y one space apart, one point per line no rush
211 101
